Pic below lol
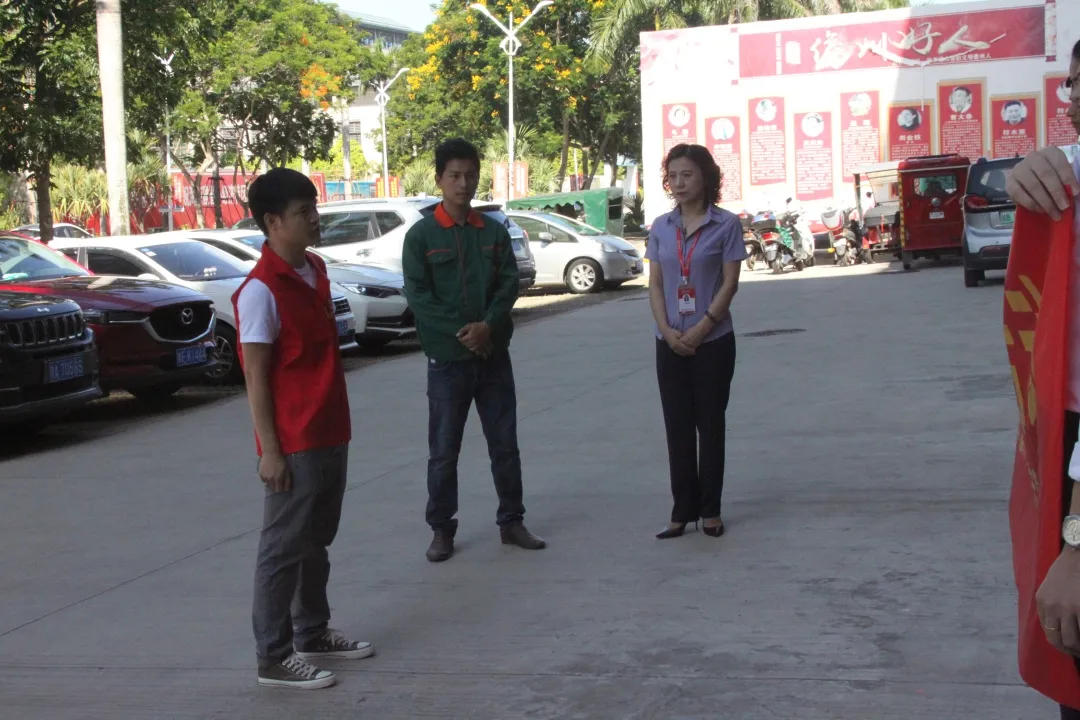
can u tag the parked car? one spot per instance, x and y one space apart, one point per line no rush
152 337
388 315
60 230
48 362
178 260
372 231
572 254
988 219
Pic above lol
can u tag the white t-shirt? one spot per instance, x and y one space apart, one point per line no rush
258 315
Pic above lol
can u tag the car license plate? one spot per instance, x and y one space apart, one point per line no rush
1008 217
190 356
940 215
66 369
342 327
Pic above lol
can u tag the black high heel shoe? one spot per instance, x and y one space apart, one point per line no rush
714 531
674 532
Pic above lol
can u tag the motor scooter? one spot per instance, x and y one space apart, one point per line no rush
776 242
752 241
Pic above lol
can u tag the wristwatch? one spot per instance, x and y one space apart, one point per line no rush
1070 531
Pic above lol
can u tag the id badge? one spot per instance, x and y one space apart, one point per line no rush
687 300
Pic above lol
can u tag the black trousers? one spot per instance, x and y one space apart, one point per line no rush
1072 426
694 393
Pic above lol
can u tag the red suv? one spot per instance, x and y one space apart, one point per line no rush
153 337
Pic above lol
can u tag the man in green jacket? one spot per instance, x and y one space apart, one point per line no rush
461 281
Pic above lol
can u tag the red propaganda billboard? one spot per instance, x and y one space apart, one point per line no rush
680 125
725 142
813 156
768 141
911 130
860 130
962 37
1014 123
962 118
1059 129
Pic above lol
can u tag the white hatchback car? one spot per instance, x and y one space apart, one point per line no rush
388 315
176 259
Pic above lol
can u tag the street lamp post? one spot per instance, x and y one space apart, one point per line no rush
382 97
167 62
510 45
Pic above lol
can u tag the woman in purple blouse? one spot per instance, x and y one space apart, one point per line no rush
695 253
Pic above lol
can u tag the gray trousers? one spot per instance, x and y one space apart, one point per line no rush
293 565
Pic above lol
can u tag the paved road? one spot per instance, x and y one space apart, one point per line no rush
865 573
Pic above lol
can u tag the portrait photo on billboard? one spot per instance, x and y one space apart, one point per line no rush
860 104
1014 112
813 125
909 119
722 129
961 99
766 110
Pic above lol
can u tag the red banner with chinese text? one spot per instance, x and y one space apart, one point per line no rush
813 156
962 118
1014 123
1059 128
1036 335
725 143
680 125
911 131
860 130
949 38
768 141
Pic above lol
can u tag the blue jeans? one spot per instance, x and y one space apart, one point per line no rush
452 389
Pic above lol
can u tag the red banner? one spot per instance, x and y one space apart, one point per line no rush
725 142
813 156
910 130
962 118
768 141
1014 122
1059 128
680 125
928 40
860 130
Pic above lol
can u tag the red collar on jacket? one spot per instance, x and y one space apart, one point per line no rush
277 265
446 222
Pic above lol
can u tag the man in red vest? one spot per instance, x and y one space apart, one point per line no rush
300 409
1046 183
461 280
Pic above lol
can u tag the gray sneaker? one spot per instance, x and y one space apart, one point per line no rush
295 672
332 644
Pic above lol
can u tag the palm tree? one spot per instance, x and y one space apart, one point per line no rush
617 29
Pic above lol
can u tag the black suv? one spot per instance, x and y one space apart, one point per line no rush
48 361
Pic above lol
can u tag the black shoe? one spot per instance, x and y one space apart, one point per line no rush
518 534
442 544
714 531
673 532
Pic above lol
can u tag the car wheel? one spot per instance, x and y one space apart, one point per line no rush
156 393
228 370
584 276
907 260
972 278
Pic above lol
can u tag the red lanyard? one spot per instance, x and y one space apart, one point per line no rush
685 261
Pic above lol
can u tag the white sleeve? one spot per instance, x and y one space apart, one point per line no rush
257 314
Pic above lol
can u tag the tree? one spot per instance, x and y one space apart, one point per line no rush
50 98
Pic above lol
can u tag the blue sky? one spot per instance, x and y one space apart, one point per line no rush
417 13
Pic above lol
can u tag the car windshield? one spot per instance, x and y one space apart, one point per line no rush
255 242
28 260
191 260
988 179
574 226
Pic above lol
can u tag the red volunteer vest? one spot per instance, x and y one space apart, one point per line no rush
1036 337
311 403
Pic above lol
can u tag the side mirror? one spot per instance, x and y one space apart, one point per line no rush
546 237
147 276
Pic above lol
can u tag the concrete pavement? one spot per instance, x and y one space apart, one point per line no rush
865 573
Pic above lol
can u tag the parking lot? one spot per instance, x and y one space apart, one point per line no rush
866 572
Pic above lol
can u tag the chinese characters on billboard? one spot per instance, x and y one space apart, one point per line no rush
860 130
962 121
917 42
1015 125
1059 129
680 125
813 156
768 141
725 142
910 130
